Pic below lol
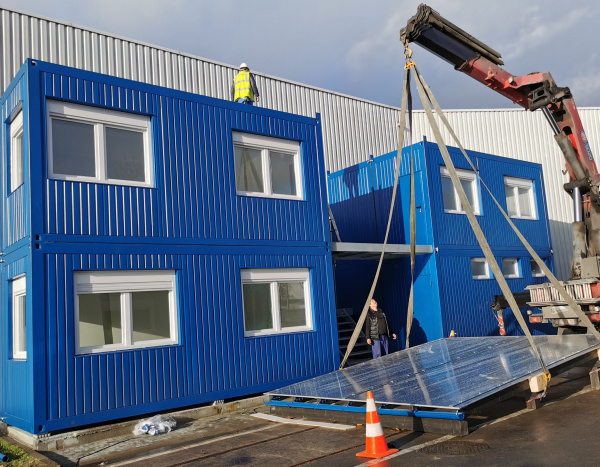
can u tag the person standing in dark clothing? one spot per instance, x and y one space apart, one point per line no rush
378 330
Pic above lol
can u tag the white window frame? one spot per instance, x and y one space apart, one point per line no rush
16 159
514 183
19 289
264 144
274 276
126 282
101 119
463 175
487 274
531 263
515 261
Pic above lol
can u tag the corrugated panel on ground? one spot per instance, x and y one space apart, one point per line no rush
212 356
195 176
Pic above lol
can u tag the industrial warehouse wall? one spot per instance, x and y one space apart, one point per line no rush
353 129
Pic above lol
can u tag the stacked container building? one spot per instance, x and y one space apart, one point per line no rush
454 286
160 249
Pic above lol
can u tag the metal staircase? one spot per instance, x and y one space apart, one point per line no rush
346 325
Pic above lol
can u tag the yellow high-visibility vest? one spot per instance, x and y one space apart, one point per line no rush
243 89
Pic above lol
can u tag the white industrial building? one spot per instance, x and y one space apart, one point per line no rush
353 128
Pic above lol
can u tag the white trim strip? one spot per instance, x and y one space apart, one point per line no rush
275 418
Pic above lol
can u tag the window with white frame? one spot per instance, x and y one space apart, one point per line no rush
480 268
520 202
16 152
468 180
18 318
266 166
536 270
510 268
120 310
276 301
91 144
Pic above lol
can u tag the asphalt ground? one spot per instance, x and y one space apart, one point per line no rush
564 431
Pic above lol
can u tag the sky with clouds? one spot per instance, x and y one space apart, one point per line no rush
352 46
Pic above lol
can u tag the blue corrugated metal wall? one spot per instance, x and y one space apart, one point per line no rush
361 212
469 314
193 149
446 296
191 221
213 359
16 390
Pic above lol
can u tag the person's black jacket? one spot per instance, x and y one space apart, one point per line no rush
371 328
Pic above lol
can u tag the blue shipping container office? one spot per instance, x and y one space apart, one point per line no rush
160 249
453 286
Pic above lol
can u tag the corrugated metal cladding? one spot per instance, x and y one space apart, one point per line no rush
353 129
454 229
17 225
196 196
213 360
446 297
192 222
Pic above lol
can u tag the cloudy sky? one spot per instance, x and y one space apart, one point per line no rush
352 46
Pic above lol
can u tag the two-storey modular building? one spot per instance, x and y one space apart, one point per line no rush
159 249
454 285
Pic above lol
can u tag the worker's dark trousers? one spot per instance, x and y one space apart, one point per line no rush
377 344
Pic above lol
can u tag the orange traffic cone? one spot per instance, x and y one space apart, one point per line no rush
375 441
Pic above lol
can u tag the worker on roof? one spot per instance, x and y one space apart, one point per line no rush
243 88
377 330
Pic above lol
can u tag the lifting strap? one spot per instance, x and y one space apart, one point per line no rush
401 127
427 100
551 277
412 218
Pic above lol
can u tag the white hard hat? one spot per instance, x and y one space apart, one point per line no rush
243 65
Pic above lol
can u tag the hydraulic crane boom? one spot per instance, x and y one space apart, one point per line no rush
533 91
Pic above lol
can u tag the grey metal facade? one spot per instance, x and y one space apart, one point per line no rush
353 129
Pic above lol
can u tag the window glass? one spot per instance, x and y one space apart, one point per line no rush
17 174
248 169
257 307
291 304
150 315
479 268
283 173
510 267
266 166
468 187
125 155
21 329
525 202
448 193
511 202
519 198
99 319
99 145
276 301
73 151
536 270
122 309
